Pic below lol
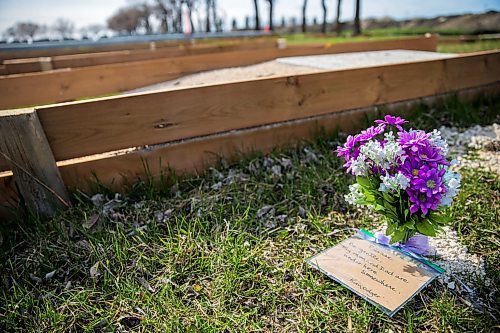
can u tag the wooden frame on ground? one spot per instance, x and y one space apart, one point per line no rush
60 85
190 128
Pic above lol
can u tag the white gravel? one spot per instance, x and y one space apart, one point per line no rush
465 271
363 59
298 65
475 147
462 267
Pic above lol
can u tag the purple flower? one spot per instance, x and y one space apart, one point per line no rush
431 155
429 182
411 167
426 189
391 120
349 149
420 201
412 140
370 133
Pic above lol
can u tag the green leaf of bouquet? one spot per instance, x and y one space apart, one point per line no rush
425 228
388 197
364 182
369 196
390 207
409 225
398 235
391 226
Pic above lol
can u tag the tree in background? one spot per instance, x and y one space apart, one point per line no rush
126 20
357 23
325 9
190 4
304 18
207 5
163 12
257 20
63 27
146 11
338 25
271 14
23 30
215 19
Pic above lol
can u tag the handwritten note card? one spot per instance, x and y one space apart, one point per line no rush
381 275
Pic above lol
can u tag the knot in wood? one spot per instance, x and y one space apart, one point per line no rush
292 81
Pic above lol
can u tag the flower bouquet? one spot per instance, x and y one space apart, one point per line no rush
404 175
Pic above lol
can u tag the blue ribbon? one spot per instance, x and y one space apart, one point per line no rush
414 247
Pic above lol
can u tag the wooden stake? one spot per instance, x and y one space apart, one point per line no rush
25 147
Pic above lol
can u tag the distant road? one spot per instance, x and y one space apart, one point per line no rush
129 39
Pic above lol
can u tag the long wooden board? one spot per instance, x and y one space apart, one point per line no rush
102 125
85 128
107 47
29 65
195 155
70 84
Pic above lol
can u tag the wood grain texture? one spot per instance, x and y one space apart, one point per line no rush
70 84
25 147
195 155
58 51
18 66
86 128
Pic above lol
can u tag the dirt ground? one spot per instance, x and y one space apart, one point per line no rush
297 65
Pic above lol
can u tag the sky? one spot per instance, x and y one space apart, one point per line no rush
87 12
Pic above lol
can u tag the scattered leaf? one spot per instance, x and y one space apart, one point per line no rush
35 279
146 285
94 270
50 275
91 222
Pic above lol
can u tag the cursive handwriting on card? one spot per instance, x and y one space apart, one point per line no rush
378 273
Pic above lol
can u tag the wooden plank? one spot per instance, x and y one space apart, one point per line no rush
102 125
17 66
146 45
24 145
195 155
28 65
70 84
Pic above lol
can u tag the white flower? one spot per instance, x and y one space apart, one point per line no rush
374 151
452 183
436 139
394 183
393 152
355 195
384 157
359 167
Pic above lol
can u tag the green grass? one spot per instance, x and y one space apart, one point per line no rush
414 31
383 34
300 38
212 265
470 46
